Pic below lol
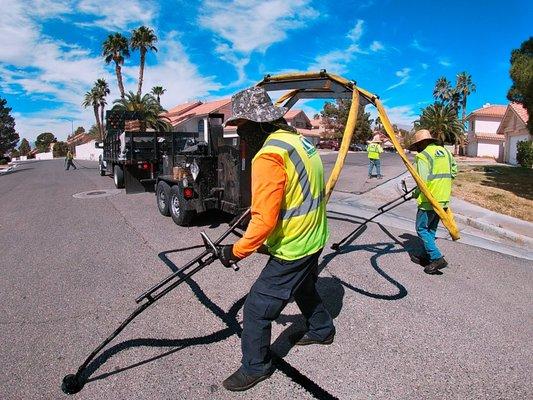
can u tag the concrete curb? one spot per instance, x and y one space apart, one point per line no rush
494 230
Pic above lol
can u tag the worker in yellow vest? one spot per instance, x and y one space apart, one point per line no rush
289 222
374 150
437 167
69 161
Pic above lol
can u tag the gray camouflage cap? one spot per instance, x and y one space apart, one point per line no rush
254 104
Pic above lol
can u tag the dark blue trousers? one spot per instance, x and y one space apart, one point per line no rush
278 282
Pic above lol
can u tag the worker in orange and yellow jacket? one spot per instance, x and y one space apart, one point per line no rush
288 220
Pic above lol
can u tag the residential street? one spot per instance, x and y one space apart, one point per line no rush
72 268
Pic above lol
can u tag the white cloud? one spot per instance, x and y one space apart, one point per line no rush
402 116
376 46
445 62
404 74
424 66
338 60
415 44
357 31
119 15
42 68
245 26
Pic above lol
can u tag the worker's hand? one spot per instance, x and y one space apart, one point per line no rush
226 256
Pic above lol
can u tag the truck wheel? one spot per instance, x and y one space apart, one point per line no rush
102 170
179 214
163 196
118 175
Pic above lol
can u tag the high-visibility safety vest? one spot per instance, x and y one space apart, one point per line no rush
373 150
302 227
439 179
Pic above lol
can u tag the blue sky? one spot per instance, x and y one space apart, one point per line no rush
50 50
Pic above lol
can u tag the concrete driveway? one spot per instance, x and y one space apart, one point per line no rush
71 269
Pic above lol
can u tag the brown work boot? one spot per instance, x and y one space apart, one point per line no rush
240 381
434 266
305 340
420 260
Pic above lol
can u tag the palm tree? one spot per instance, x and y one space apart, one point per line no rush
158 91
142 39
465 87
441 120
102 88
93 98
148 108
115 48
443 90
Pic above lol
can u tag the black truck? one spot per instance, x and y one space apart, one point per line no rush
189 175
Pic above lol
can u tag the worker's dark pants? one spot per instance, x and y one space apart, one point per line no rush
69 164
279 281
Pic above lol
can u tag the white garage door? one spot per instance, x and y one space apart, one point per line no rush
513 141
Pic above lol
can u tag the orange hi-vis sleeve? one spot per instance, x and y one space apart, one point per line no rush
268 188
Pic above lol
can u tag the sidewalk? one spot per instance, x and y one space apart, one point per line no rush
478 226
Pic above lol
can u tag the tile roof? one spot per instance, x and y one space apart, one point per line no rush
489 111
292 113
489 136
521 111
186 111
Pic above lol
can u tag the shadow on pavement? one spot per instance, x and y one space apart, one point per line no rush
233 327
379 249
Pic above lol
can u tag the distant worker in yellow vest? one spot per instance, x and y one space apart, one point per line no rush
69 161
374 150
437 167
289 222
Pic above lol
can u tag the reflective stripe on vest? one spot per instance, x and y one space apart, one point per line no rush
301 229
439 179
309 203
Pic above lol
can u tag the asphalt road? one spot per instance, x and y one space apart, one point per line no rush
71 269
354 175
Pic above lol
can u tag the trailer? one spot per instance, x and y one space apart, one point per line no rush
189 175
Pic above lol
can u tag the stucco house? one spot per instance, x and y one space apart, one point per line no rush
299 120
514 129
483 139
192 118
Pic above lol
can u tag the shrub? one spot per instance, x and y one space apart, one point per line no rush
3 161
524 154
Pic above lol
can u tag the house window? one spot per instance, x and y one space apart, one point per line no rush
472 125
201 126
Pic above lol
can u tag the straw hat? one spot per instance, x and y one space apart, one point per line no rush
253 104
376 139
419 136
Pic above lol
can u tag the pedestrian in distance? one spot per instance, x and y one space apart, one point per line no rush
374 150
69 161
437 168
289 223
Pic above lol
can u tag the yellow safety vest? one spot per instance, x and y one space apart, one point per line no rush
302 227
439 179
373 150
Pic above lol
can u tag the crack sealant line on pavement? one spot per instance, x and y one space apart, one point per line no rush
391 219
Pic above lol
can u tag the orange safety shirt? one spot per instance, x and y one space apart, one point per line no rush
268 188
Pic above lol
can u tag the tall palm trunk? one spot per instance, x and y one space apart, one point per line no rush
97 118
118 71
102 127
141 72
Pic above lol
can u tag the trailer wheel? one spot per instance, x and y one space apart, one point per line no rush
163 197
118 175
180 215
